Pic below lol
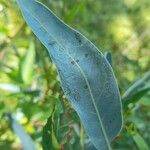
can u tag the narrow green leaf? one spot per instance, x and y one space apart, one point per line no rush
27 142
138 139
74 11
141 144
49 140
137 90
86 76
27 64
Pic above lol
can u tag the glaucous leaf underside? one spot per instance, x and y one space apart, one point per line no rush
86 76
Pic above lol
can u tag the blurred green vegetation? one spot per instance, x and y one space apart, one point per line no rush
29 84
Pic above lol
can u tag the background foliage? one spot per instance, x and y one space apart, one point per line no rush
29 84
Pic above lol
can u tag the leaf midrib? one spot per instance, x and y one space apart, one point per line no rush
82 73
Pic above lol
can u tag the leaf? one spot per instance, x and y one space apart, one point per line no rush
141 144
86 77
49 140
12 88
74 11
137 90
146 100
9 87
108 57
89 146
27 142
138 139
27 64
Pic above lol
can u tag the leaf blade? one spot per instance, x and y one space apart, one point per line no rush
26 67
27 142
49 139
137 90
63 43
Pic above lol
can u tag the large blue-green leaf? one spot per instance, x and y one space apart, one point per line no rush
86 76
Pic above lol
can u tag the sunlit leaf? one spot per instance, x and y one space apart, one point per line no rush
27 64
141 144
27 142
9 87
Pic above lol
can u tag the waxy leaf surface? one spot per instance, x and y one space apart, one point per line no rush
86 76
